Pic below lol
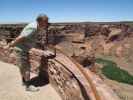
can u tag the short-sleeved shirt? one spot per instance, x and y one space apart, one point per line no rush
32 36
29 32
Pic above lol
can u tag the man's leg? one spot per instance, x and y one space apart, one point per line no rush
24 66
26 73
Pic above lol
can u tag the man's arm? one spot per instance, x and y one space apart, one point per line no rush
14 42
18 40
27 31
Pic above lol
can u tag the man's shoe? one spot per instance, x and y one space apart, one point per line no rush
32 88
25 83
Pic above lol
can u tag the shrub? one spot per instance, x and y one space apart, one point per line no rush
113 72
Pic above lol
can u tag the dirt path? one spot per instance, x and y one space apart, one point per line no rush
11 88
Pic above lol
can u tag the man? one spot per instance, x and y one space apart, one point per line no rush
24 42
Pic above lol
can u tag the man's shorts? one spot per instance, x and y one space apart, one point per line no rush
22 59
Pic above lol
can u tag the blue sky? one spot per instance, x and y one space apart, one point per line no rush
66 10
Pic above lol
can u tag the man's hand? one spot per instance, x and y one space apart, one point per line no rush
48 53
7 47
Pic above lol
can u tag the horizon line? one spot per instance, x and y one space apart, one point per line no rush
70 22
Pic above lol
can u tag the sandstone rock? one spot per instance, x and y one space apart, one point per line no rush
119 51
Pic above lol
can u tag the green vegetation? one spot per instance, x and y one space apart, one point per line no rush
113 72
